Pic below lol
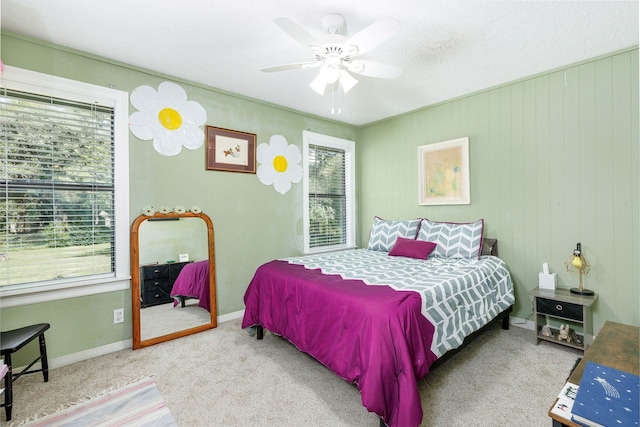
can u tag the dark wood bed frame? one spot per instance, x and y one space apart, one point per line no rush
502 317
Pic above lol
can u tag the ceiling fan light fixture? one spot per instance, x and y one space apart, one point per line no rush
347 81
330 74
330 70
318 84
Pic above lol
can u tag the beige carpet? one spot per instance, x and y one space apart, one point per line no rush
223 377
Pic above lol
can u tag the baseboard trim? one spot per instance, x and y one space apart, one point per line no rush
68 359
231 316
522 323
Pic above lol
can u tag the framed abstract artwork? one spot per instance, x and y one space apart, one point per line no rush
230 150
443 173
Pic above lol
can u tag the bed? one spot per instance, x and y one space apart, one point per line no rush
381 317
192 282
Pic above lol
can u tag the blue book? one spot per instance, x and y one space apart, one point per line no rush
607 397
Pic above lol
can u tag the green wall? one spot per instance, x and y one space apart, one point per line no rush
554 161
252 222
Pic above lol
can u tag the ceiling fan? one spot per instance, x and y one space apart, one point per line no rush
335 54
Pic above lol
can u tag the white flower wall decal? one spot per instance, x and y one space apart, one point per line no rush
167 117
148 211
279 164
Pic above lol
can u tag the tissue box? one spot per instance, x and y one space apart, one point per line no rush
547 281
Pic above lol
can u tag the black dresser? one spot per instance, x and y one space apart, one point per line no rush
156 282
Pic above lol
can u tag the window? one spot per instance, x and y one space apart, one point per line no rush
63 188
329 192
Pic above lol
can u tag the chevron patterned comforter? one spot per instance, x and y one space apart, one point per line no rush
375 320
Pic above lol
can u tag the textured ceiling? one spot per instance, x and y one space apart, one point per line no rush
446 48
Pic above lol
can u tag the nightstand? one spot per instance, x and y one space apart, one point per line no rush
560 306
156 282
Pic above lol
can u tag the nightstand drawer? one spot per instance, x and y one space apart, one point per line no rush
157 285
150 298
559 308
154 271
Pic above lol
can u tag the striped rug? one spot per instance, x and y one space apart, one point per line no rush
136 404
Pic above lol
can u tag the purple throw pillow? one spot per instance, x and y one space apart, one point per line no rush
411 248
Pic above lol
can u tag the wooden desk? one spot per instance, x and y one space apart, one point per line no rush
618 346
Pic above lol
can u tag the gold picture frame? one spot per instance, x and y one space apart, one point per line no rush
230 150
443 173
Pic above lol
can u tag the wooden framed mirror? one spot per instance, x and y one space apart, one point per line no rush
173 285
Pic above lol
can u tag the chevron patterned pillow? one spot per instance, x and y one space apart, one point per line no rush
384 233
455 240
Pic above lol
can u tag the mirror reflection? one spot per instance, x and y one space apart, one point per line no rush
173 285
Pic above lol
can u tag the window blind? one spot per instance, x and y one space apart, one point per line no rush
57 189
327 197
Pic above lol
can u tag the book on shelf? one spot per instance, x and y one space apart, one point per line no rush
607 397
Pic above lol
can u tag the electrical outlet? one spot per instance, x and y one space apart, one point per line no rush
118 315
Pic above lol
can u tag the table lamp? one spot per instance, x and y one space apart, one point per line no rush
577 262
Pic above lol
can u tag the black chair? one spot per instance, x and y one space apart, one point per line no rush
12 341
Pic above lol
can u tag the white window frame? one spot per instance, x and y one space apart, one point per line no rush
349 147
48 85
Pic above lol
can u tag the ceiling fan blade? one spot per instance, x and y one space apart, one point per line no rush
374 35
369 68
297 32
293 66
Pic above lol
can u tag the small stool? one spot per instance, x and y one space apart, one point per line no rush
12 341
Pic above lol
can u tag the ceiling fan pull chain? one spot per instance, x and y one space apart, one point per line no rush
333 102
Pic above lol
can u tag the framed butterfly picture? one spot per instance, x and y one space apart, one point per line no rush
230 150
